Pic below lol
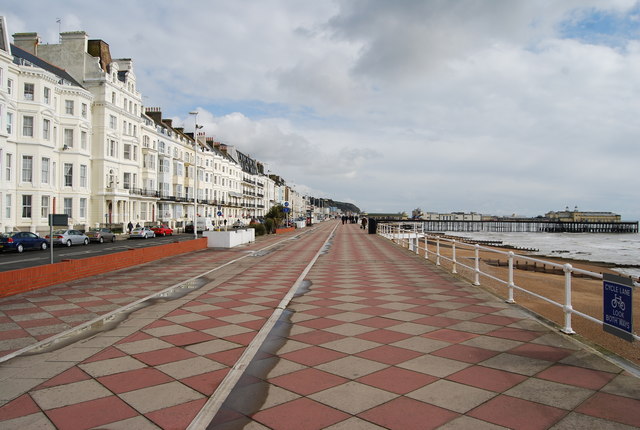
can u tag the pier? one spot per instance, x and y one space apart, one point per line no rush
525 226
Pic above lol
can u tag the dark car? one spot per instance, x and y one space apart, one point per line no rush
188 228
22 240
101 235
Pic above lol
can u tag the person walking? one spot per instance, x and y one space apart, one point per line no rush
130 226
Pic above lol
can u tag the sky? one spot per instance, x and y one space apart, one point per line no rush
497 107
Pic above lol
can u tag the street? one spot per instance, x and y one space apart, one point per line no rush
13 260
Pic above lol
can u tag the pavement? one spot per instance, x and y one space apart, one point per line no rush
296 332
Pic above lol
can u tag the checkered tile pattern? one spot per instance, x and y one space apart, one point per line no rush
381 339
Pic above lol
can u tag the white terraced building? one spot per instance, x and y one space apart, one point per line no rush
76 139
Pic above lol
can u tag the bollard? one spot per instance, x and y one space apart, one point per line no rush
511 284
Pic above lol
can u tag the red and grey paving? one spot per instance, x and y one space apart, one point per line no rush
374 338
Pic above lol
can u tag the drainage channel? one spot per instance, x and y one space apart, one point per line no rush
112 320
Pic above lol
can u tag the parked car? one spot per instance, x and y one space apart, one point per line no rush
188 228
162 230
68 237
101 235
19 241
141 233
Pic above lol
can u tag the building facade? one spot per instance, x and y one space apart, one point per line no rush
75 138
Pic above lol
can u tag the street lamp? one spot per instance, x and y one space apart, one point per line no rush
195 172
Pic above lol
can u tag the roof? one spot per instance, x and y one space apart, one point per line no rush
39 62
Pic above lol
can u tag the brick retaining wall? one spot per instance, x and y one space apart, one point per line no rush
31 278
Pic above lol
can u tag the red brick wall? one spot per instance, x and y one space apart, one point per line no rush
21 280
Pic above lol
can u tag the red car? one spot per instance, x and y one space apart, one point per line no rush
162 230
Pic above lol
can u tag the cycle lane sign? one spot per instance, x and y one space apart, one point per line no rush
617 293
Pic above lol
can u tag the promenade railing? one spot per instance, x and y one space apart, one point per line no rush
475 265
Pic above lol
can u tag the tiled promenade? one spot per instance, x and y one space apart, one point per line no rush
376 338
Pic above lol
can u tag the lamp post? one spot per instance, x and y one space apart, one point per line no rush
195 173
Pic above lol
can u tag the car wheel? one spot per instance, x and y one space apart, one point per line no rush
86 242
68 242
101 240
19 247
43 246
113 238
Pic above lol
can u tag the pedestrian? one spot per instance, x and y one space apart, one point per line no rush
364 223
137 225
130 227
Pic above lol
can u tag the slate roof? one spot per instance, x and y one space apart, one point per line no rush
39 62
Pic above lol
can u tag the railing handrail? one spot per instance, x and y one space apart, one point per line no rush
410 238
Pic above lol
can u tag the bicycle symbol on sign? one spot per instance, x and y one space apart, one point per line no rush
617 302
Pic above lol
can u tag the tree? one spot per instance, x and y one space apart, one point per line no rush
274 218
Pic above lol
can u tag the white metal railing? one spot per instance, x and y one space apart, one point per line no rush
411 239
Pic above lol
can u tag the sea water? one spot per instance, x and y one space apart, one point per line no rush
619 249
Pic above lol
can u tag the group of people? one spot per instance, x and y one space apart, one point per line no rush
350 219
353 219
130 226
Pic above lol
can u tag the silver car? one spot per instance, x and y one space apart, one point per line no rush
68 237
141 233
101 235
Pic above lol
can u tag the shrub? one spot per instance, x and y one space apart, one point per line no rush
259 228
268 225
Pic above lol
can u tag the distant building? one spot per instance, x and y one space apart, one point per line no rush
580 216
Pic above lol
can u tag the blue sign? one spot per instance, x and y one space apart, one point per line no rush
286 204
617 293
219 213
286 210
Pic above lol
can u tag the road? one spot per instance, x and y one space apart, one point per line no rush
13 260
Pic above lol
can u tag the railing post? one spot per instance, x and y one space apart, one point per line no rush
438 251
426 246
511 284
417 243
567 308
477 264
453 257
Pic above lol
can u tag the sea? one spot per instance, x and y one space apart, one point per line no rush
622 250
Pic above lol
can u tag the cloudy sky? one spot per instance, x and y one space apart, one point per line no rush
497 106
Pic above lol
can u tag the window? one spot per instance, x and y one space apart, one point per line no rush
27 168
9 122
113 122
53 174
28 91
27 126
135 153
68 107
83 139
112 148
127 181
26 206
46 129
44 207
83 175
68 137
84 110
113 97
44 172
127 151
83 207
9 86
68 206
47 95
7 206
164 165
8 166
143 210
68 174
